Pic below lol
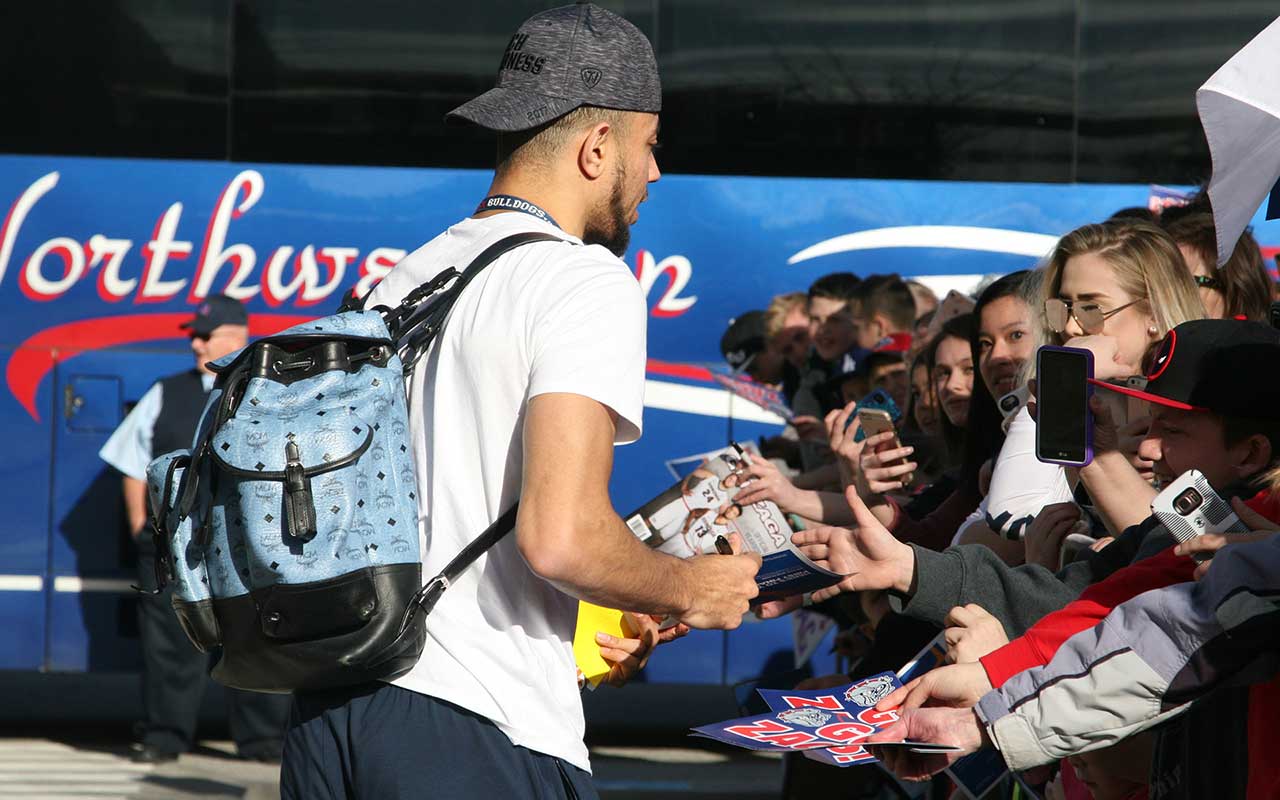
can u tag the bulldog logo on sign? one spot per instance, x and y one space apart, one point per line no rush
807 717
870 692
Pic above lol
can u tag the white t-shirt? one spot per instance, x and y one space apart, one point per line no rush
545 317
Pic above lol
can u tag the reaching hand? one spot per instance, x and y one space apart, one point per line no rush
879 469
1043 539
773 609
766 482
972 633
721 587
954 726
1210 543
955 686
867 553
848 452
1131 436
629 655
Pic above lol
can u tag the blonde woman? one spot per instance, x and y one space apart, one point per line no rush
1116 289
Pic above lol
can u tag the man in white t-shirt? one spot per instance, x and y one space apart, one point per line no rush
538 373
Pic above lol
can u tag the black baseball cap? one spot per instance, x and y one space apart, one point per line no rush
564 58
744 339
1230 367
216 310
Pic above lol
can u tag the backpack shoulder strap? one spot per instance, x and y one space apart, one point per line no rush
414 331
412 342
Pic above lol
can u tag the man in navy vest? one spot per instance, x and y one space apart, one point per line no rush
173 676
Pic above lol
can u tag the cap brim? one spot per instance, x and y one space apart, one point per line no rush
509 110
1149 397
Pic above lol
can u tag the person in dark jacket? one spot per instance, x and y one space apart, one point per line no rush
173 674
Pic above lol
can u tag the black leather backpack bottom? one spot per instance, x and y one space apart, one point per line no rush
351 629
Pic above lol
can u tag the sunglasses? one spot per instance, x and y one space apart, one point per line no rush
1090 316
1206 282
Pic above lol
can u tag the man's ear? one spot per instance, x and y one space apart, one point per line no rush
1252 456
593 149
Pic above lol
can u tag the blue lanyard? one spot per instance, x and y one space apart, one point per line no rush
508 202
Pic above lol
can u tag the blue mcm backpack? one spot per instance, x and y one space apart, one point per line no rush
290 528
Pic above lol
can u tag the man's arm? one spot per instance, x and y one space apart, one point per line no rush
135 505
1144 663
570 535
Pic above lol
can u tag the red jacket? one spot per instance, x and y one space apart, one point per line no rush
1036 647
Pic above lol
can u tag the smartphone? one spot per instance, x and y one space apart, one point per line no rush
1064 425
882 400
876 420
1189 507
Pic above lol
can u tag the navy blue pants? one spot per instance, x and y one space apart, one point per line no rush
380 742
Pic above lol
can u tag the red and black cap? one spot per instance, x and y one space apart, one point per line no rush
1227 366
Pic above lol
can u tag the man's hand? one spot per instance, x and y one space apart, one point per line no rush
135 505
630 655
766 483
953 726
1131 436
722 588
971 633
868 554
1043 539
954 686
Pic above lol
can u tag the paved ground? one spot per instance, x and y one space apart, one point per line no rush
88 766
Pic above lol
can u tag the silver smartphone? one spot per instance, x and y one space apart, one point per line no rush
1189 507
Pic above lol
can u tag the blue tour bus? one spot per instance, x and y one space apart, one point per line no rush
284 152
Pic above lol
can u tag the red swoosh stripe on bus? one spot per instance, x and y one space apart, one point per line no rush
35 357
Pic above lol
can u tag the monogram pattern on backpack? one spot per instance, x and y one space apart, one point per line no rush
289 531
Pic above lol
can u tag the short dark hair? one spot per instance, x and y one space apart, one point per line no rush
539 143
1134 212
888 295
1236 429
836 286
1246 286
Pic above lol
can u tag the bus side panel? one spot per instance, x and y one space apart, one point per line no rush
24 541
92 622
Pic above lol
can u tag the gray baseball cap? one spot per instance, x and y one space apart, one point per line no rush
564 58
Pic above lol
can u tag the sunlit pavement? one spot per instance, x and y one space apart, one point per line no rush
86 767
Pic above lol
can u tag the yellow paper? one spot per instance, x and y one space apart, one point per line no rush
593 619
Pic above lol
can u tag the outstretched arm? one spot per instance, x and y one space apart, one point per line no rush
1144 663
570 535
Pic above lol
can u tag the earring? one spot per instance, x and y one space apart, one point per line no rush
1153 330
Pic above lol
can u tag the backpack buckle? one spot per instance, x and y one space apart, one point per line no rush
429 595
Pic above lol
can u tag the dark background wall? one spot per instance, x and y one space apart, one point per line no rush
1022 90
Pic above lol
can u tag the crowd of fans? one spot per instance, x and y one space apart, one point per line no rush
951 523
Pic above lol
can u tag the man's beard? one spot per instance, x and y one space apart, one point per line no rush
607 225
